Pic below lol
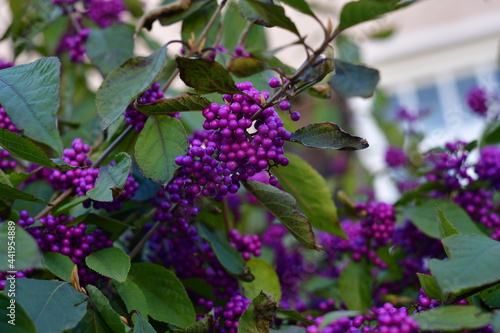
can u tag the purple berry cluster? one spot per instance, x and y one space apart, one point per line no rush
395 157
105 12
246 244
378 223
6 161
57 234
449 166
231 313
477 100
391 319
74 44
488 166
6 123
239 52
480 207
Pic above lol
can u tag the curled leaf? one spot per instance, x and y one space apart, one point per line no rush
328 135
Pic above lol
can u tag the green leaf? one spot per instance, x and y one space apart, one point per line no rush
30 18
490 135
194 25
424 216
168 18
132 296
445 226
12 193
333 316
162 139
431 287
110 47
265 279
206 76
272 15
258 315
286 209
452 318
111 178
142 325
228 256
59 264
293 315
205 325
114 226
55 306
473 262
16 243
92 322
312 193
108 314
14 319
112 262
495 321
355 286
493 299
365 10
243 67
126 83
30 96
300 5
327 135
27 150
166 297
256 38
184 102
352 80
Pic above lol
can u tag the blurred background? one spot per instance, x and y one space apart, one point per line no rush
429 55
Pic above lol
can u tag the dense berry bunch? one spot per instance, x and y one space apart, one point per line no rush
74 44
391 319
449 166
56 235
231 313
477 101
395 157
6 123
246 244
6 161
378 224
341 325
488 166
105 12
480 207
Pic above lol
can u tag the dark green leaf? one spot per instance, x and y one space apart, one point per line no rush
108 314
25 251
66 207
493 299
11 193
265 279
256 38
134 7
251 15
327 135
106 223
112 262
312 193
365 10
180 14
110 47
452 318
111 178
92 322
142 325
293 315
431 287
352 80
243 67
286 209
132 296
60 265
424 217
228 256
166 297
126 83
271 15
300 5
27 150
490 135
473 262
30 96
14 318
205 325
206 76
355 286
258 315
162 139
184 102
55 306
333 316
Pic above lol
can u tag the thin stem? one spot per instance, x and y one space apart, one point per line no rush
54 204
138 247
457 298
244 34
112 146
71 13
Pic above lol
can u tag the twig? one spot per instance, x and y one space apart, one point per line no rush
54 204
225 216
112 146
143 240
